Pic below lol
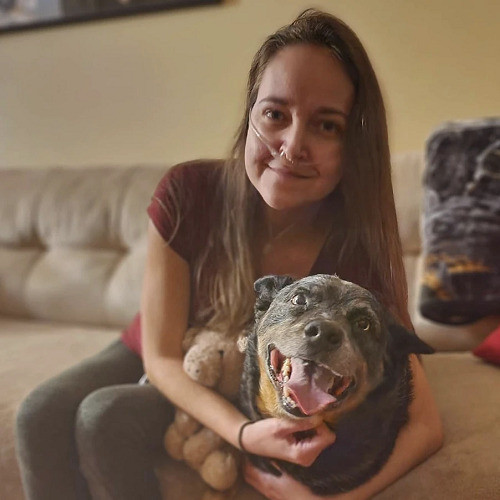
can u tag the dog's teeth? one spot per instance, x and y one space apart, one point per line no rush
286 368
287 399
286 378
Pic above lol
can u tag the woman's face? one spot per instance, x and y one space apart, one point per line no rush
301 110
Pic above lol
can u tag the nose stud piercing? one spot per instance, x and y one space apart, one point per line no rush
286 157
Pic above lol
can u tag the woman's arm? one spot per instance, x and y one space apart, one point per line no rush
420 438
164 320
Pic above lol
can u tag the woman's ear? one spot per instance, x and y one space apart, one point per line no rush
266 289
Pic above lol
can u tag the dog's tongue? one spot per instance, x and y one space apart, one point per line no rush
309 385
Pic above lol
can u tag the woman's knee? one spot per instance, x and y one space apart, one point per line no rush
120 418
119 431
98 419
44 420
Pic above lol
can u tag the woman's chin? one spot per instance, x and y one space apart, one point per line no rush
285 202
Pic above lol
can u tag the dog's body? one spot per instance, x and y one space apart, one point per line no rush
325 348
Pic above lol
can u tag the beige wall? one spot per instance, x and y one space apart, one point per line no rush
169 86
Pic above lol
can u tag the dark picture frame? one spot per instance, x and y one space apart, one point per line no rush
20 15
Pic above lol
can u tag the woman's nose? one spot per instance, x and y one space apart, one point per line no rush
294 141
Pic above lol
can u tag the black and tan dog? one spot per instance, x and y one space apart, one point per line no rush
325 348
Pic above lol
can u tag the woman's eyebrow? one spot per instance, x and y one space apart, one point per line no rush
331 111
274 100
321 110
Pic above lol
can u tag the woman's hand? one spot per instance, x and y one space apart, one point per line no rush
284 487
299 442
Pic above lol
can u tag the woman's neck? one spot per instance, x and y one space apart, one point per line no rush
279 221
290 242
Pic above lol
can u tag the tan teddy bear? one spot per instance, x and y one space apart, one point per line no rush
213 360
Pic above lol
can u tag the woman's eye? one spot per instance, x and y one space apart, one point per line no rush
363 324
329 127
299 300
273 114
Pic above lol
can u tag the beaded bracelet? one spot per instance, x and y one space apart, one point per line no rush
240 435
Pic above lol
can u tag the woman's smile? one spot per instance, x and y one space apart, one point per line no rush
290 173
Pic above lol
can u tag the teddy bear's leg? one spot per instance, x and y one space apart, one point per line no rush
199 446
173 442
211 494
186 424
230 494
220 469
177 433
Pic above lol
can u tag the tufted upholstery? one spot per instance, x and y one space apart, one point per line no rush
72 243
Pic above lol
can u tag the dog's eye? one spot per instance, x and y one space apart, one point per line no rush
363 324
299 300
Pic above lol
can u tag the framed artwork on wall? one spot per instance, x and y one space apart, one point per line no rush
17 15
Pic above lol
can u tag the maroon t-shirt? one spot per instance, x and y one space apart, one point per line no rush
182 209
195 183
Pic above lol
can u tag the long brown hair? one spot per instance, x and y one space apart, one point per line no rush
366 186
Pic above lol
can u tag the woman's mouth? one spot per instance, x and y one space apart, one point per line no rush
289 173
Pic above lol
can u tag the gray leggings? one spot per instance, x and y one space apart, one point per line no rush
93 432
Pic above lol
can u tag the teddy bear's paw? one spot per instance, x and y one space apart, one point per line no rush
211 494
185 424
220 470
173 442
199 446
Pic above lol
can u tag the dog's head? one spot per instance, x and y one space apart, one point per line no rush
322 345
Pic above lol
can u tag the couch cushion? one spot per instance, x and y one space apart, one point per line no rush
466 391
407 171
72 242
31 353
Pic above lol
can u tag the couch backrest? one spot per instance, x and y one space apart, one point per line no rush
72 240
407 175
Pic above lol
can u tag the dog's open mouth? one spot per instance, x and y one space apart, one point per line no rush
306 387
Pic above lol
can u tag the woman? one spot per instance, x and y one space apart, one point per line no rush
307 190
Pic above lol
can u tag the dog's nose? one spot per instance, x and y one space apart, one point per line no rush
326 332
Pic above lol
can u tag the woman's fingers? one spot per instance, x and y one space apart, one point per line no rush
266 484
282 487
306 450
299 441
289 427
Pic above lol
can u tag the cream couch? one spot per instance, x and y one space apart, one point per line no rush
72 248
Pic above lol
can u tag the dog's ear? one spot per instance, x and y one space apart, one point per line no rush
266 289
407 342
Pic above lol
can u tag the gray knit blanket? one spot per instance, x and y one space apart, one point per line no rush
461 227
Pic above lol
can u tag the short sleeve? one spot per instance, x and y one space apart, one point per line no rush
170 207
182 207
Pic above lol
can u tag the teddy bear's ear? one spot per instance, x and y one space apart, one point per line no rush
242 343
267 288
